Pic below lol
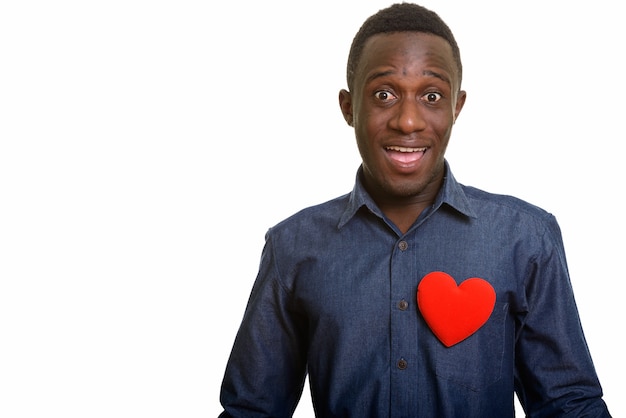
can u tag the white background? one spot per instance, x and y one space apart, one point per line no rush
146 147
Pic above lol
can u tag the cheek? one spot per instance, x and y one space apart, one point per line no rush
375 123
368 126
442 126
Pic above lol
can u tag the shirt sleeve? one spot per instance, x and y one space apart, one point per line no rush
266 370
555 376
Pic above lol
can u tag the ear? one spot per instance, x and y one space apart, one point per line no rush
345 104
460 101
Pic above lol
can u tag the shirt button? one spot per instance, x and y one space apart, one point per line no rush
402 364
403 305
403 245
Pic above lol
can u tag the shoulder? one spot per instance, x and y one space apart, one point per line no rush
320 216
483 201
511 213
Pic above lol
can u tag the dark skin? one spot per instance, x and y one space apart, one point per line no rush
405 99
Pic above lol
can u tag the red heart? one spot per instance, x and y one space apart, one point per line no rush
454 312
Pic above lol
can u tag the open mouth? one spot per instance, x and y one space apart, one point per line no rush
405 155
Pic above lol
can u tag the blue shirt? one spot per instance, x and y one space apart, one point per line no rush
335 297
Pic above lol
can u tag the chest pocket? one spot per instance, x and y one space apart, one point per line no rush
477 361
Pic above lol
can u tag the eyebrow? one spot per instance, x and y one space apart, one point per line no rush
379 74
428 73
437 75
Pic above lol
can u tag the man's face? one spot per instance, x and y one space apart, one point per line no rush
402 106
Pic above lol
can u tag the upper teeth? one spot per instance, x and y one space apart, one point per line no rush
404 149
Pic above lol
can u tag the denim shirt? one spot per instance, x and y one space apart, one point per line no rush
335 297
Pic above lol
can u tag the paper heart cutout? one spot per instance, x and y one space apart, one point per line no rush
453 312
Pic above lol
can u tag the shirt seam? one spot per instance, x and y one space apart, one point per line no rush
283 286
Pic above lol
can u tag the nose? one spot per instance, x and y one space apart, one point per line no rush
409 117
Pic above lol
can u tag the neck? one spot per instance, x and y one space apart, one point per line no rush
404 214
403 211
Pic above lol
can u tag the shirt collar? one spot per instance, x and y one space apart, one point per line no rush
451 194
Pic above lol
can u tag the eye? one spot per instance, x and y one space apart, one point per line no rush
432 97
384 95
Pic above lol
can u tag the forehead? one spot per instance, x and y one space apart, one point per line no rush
407 51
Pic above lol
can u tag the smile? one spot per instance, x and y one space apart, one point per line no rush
405 149
405 156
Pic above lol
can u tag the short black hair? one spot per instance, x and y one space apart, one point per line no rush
400 17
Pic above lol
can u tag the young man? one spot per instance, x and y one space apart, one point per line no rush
413 295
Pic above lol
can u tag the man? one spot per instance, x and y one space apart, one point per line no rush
413 295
